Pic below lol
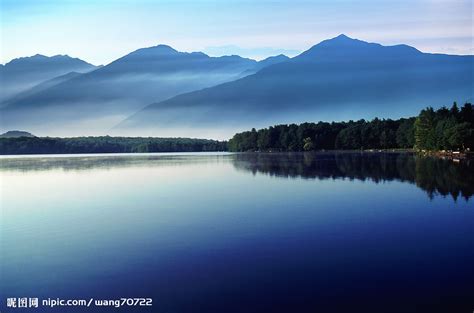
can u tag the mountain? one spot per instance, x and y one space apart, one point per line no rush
96 101
40 87
16 134
266 62
23 73
337 79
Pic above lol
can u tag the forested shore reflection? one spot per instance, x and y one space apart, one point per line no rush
434 175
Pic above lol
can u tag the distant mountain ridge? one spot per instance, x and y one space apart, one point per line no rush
193 94
266 62
338 79
16 134
342 45
40 87
23 73
113 92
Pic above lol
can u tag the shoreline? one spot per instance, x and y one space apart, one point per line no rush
449 154
453 155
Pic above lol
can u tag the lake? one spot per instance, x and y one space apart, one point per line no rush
217 232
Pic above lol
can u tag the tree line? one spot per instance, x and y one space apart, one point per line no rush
449 129
433 130
445 129
106 144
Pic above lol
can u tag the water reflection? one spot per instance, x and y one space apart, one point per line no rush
434 175
104 161
201 233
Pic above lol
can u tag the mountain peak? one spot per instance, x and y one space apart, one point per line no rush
278 56
151 52
158 49
39 59
164 48
345 40
274 59
343 45
37 56
342 37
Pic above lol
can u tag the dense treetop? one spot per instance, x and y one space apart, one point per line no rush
445 128
106 144
451 129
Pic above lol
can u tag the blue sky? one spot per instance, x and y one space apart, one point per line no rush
101 31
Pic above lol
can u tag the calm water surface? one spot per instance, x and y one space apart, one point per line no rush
240 233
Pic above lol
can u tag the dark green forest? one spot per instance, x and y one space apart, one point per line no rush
444 129
106 144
